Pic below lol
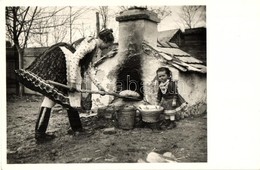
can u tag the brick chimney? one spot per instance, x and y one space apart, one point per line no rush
135 25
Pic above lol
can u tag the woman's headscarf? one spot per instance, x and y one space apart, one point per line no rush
106 35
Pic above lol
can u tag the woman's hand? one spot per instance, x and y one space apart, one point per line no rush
174 101
102 90
73 87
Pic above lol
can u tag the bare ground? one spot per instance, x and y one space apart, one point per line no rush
187 142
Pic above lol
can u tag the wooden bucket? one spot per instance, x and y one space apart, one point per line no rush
126 117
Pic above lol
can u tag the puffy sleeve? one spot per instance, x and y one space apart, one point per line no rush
84 48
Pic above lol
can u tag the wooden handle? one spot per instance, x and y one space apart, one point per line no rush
57 84
67 87
91 91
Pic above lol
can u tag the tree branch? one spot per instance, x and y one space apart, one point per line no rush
27 33
22 21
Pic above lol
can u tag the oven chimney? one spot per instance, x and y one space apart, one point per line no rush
135 25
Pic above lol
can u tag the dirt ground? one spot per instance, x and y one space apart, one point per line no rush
187 142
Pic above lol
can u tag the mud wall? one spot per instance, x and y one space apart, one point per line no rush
106 75
133 33
193 87
151 64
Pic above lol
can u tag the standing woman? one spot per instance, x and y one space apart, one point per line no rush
62 64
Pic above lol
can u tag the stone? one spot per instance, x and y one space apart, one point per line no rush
98 158
10 151
185 115
111 159
20 149
54 151
109 131
87 159
202 109
169 155
154 157
140 160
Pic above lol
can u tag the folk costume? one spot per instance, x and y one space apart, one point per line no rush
63 64
167 95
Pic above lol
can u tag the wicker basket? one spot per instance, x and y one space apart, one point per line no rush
150 113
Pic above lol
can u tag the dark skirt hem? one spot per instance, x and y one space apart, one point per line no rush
181 105
36 83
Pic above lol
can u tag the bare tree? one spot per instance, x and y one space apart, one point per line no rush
19 21
123 8
162 12
58 32
56 28
191 15
23 22
73 16
40 36
83 29
103 11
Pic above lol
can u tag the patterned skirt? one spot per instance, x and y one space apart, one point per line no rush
51 65
170 110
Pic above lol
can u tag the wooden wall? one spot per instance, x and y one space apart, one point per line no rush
30 54
195 44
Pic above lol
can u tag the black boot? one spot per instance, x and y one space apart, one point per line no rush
74 119
42 124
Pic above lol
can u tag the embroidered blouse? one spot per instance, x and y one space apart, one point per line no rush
85 47
170 93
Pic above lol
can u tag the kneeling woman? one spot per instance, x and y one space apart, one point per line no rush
65 69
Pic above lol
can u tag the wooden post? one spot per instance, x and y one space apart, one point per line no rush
20 66
97 23
70 26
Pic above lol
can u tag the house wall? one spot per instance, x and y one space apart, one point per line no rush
30 54
135 26
11 65
105 74
150 65
195 44
193 87
178 38
27 60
